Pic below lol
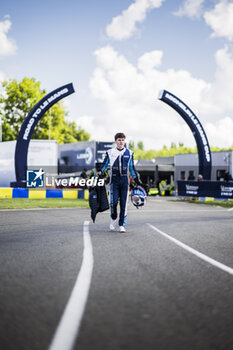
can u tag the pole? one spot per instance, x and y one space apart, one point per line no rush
50 123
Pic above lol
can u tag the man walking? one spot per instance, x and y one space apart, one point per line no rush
121 164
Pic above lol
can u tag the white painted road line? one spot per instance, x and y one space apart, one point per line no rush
194 252
68 328
230 209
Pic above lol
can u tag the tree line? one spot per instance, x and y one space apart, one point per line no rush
140 153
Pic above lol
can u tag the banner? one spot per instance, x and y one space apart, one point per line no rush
101 148
216 189
74 157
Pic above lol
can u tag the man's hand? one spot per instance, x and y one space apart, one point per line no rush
138 181
99 173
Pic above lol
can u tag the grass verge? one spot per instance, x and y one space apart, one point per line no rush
25 203
220 203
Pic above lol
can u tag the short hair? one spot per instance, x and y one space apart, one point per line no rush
120 135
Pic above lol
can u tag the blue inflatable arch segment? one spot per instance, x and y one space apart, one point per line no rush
26 131
204 152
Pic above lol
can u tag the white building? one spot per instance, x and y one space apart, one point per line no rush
186 163
41 154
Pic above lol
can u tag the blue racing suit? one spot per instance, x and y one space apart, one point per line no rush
121 164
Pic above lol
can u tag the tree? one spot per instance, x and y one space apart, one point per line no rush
71 134
140 145
142 154
131 145
19 98
15 103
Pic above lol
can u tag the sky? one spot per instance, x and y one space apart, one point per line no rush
119 55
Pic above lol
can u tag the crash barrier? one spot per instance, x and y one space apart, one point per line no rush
6 192
214 189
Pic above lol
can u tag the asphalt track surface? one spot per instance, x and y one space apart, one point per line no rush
138 290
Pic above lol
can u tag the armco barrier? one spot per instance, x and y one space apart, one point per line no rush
6 192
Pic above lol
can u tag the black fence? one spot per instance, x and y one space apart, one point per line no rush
216 189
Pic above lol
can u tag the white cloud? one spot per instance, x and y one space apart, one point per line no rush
7 45
220 133
2 76
190 8
129 94
218 98
220 19
124 25
150 60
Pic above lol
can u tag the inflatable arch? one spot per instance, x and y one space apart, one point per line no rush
204 152
33 117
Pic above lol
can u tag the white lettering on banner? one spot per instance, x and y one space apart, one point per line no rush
226 194
57 94
28 128
191 192
45 104
192 188
41 108
87 156
195 121
226 189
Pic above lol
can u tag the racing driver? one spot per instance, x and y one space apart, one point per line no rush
121 162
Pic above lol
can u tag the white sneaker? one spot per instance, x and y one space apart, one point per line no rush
112 225
122 229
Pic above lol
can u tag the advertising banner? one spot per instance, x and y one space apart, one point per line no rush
74 157
101 148
216 189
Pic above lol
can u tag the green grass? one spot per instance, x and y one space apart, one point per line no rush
220 203
25 203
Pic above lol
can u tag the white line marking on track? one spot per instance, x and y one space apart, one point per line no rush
230 209
176 210
68 328
194 251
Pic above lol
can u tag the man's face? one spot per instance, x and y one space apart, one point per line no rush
120 142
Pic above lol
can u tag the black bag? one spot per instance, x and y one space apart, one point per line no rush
98 200
103 198
93 203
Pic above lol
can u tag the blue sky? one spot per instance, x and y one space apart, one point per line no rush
119 54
